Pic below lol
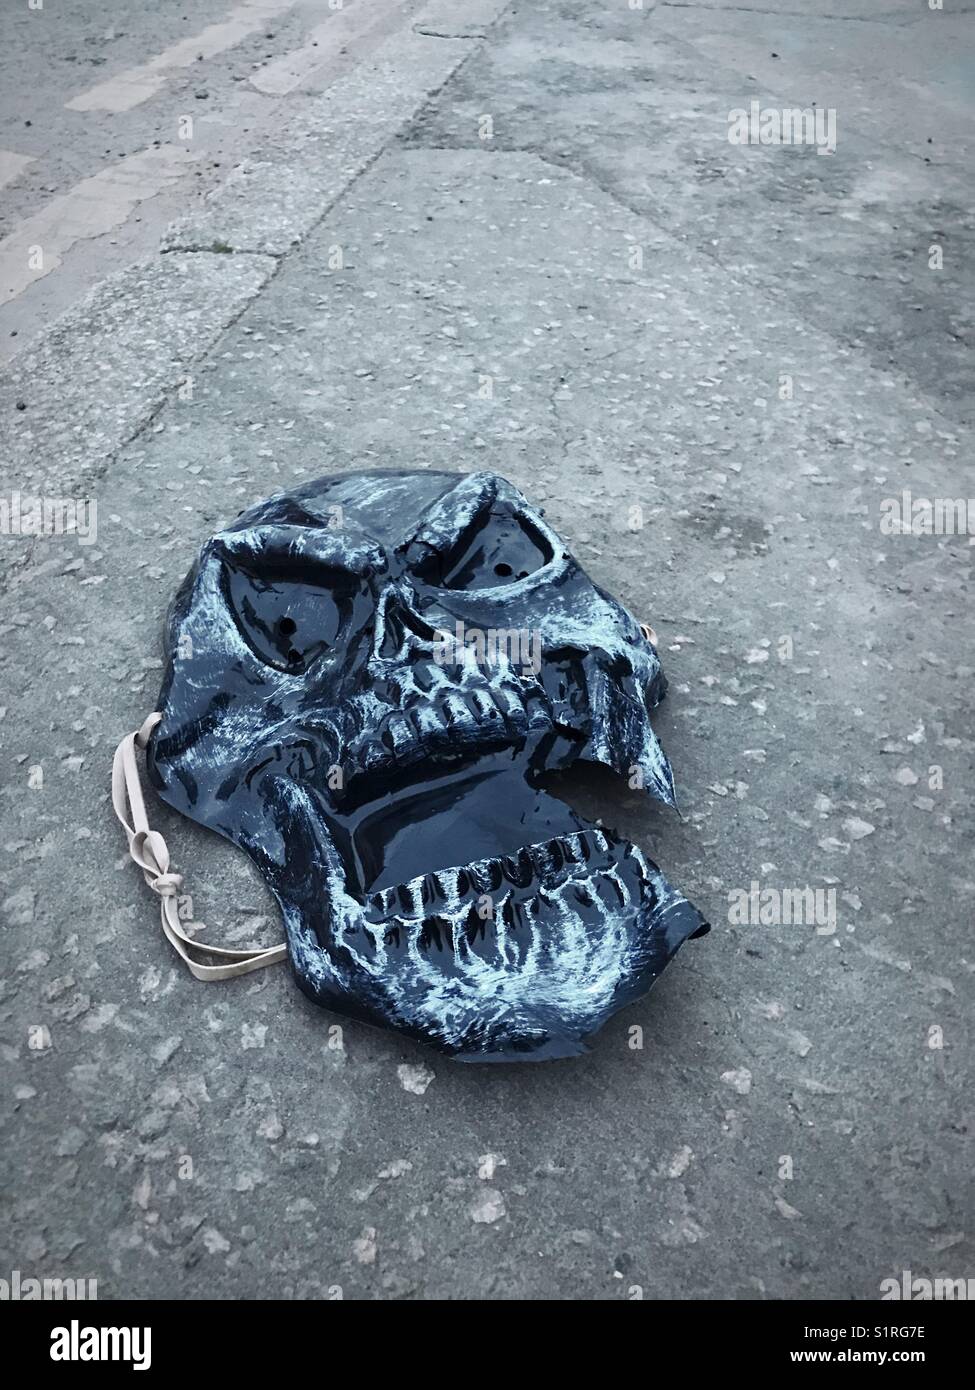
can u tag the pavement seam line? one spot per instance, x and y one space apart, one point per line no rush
585 175
147 417
897 19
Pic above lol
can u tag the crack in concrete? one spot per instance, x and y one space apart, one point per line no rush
218 250
439 34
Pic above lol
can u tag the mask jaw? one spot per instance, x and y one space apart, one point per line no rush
478 991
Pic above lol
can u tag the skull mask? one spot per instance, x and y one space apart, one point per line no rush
368 677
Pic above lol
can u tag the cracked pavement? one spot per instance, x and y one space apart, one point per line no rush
710 364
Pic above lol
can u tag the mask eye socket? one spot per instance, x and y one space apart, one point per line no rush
288 622
498 548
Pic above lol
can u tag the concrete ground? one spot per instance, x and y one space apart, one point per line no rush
710 363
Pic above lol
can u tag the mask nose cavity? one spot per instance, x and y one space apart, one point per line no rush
396 620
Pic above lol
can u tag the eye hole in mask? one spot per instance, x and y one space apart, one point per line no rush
499 547
289 623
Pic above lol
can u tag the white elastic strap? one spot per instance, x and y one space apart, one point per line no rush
151 853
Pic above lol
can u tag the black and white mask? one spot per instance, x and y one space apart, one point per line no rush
368 679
